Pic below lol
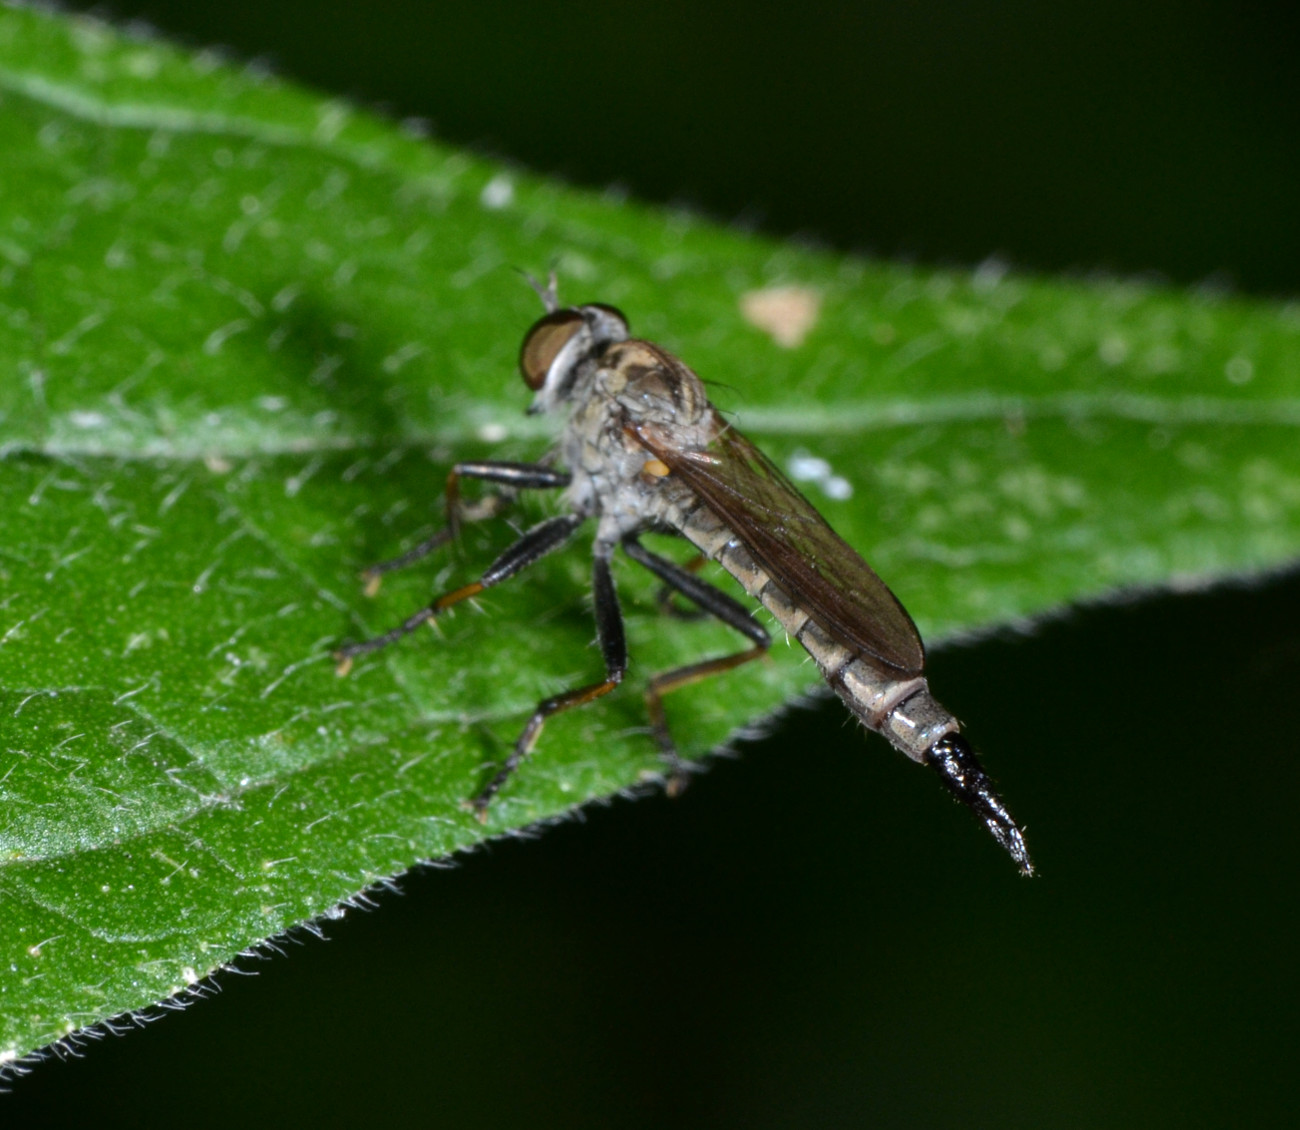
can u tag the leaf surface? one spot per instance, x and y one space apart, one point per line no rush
245 330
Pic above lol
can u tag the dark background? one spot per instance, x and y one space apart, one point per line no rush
813 935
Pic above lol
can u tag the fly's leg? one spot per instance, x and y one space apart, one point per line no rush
613 649
714 602
664 597
660 685
534 545
513 476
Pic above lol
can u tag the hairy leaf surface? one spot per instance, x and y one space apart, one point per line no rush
245 330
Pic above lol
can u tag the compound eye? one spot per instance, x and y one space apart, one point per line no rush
543 343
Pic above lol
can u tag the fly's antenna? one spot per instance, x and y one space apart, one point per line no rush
549 294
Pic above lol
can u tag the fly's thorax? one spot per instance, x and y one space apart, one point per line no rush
653 387
614 475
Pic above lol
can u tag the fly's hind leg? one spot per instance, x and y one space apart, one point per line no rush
613 649
714 602
513 476
664 597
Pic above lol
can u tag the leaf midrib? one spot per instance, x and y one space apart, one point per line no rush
773 419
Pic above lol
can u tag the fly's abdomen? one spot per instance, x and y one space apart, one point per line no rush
902 709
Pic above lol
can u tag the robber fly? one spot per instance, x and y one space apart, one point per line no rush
643 451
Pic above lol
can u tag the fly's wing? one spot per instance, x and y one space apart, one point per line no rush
794 544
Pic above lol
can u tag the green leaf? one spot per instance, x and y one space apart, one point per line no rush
243 333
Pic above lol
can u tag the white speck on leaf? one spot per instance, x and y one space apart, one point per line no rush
295 483
806 468
218 337
399 357
64 344
989 273
333 117
498 193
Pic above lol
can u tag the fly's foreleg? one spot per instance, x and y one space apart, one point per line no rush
513 476
613 649
714 602
534 545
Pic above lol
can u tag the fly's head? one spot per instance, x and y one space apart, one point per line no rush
565 345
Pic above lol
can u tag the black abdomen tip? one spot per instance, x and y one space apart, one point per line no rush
964 776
